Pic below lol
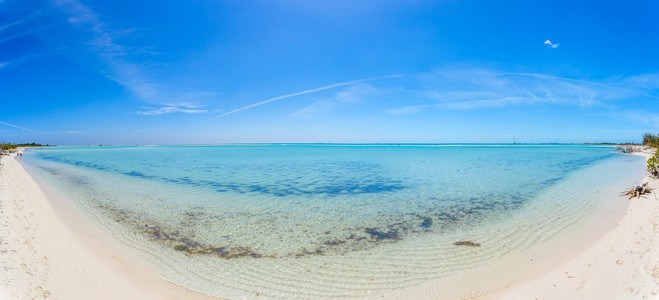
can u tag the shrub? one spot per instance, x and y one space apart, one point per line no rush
651 140
653 165
7 146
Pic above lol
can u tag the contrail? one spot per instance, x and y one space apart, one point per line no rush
331 86
15 126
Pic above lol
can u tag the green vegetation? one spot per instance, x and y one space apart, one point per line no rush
653 163
33 145
8 146
651 140
11 147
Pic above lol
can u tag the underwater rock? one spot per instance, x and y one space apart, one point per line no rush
181 247
382 235
334 242
427 222
466 243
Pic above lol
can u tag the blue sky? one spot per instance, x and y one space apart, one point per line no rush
197 72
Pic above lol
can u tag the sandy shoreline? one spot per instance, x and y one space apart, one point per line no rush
43 255
622 264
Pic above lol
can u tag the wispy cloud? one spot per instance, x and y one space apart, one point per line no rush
350 96
120 58
16 126
122 71
6 26
6 38
19 26
83 17
9 26
72 131
642 116
173 108
461 105
28 57
327 87
647 81
550 44
479 89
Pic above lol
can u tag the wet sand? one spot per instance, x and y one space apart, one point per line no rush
622 264
47 253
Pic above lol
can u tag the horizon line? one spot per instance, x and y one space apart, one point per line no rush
345 143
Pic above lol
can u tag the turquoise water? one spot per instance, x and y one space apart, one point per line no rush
313 221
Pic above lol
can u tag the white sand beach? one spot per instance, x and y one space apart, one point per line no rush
623 264
48 252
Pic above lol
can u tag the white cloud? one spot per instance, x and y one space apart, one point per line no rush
350 96
354 94
6 26
478 89
16 126
646 81
173 108
327 87
550 44
102 42
128 74
24 33
22 27
28 57
642 116
408 110
84 18
132 75
318 107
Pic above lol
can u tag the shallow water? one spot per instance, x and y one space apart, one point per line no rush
314 221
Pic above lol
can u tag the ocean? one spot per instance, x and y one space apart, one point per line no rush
330 220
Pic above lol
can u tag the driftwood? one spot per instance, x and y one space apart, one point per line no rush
628 149
638 191
8 152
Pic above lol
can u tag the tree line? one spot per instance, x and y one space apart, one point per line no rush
12 146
